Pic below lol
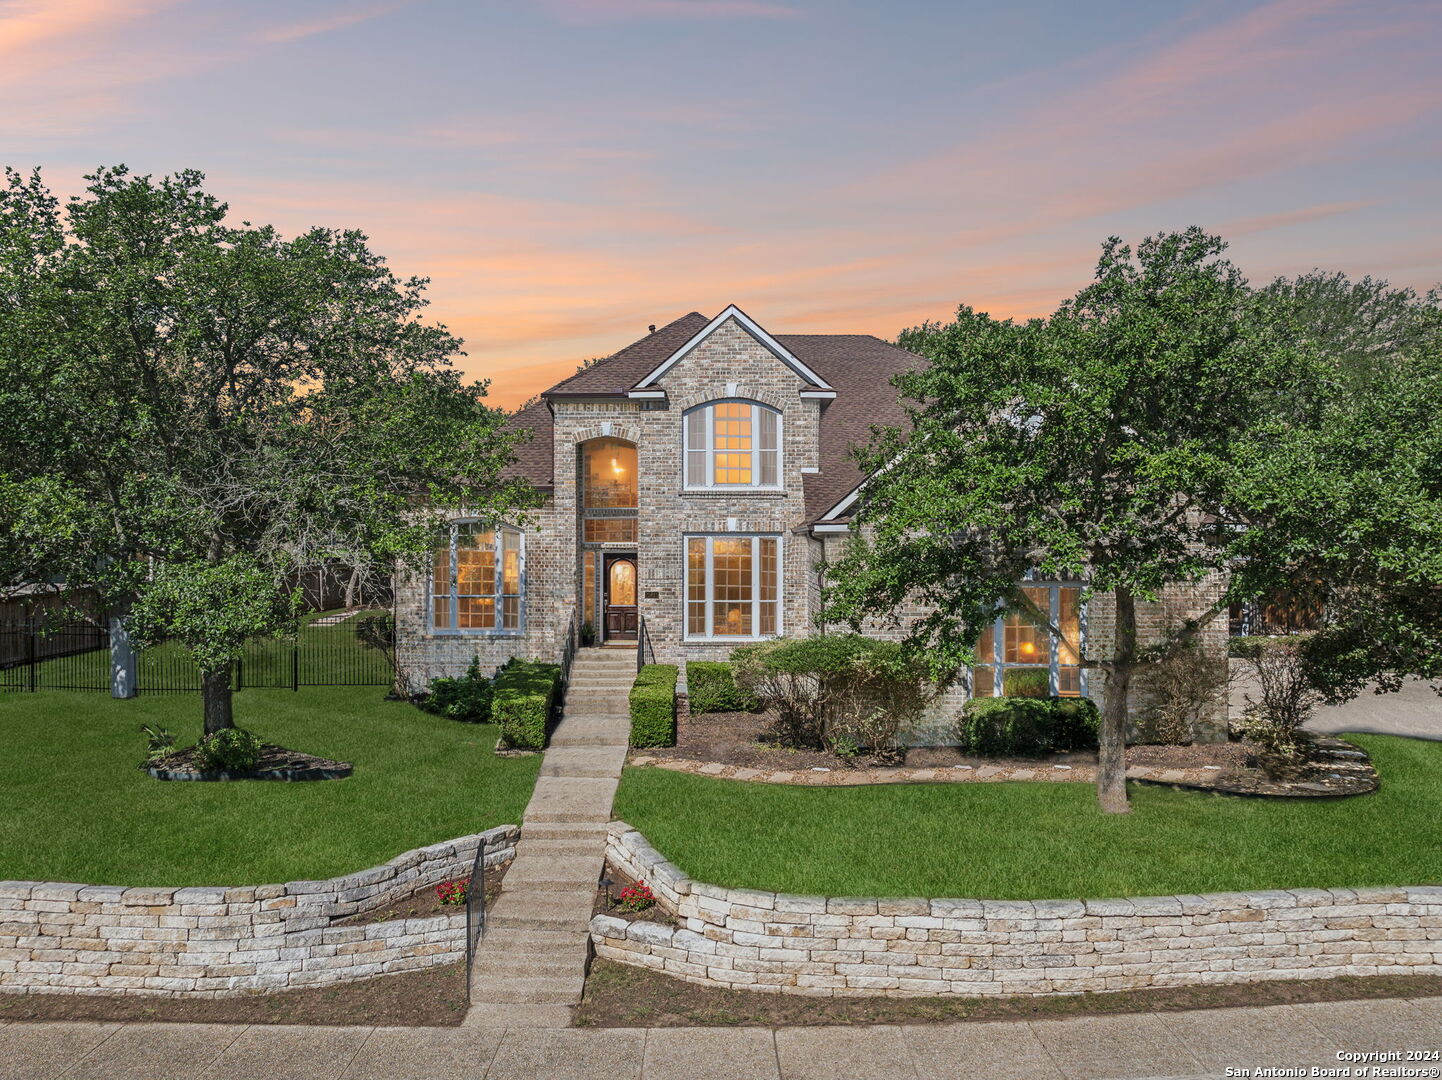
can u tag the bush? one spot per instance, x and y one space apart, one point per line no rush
711 687
523 695
467 699
653 706
1027 726
230 749
1182 693
836 690
1026 682
1246 646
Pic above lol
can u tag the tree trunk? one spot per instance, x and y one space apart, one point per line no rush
1112 739
216 694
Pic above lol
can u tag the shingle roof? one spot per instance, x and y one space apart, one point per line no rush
858 366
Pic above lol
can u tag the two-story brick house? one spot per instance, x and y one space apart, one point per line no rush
692 483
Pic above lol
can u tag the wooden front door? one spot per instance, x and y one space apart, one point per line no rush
620 598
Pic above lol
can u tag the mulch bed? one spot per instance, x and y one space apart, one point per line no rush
619 880
742 746
276 763
435 997
618 995
425 904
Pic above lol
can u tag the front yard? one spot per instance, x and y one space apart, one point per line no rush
74 807
1041 840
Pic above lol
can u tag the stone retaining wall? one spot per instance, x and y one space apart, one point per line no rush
217 942
740 938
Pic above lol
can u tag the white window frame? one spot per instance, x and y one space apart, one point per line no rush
451 598
997 661
708 450
709 538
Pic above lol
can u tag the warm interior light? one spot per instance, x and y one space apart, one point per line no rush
616 467
1027 648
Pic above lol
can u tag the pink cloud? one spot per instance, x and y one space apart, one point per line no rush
336 20
590 11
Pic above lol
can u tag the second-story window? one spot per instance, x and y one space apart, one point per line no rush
733 444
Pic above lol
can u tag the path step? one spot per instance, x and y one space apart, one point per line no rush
494 1014
542 909
585 762
532 990
570 830
553 871
565 848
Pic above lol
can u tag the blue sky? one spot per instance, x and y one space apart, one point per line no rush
568 171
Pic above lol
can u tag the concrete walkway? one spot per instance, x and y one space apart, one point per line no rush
1200 1043
531 964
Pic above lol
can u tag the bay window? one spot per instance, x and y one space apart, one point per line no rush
731 444
1018 656
477 580
732 587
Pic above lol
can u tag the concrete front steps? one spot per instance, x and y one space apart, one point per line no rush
530 967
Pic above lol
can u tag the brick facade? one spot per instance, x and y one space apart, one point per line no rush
728 364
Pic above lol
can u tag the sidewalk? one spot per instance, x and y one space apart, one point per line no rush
1200 1043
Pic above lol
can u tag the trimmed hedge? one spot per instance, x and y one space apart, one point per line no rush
523 694
710 687
1027 726
653 706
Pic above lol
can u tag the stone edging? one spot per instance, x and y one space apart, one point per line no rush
198 775
903 775
215 942
841 946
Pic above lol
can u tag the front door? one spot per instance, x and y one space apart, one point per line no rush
620 598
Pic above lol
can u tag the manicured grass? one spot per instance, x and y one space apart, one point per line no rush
74 807
1042 840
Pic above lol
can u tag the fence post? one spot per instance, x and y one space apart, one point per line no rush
30 652
123 661
239 672
295 661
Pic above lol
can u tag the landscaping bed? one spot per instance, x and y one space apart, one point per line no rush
434 997
276 763
425 904
621 996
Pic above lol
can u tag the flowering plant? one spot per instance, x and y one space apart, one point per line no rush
637 897
453 892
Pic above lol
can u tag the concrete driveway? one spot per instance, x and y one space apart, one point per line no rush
1415 710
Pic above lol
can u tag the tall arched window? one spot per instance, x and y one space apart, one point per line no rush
478 580
731 444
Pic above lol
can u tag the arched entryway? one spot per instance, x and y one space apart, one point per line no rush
620 599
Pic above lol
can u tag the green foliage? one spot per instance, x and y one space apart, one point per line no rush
231 749
710 687
1246 646
1027 726
159 742
467 699
1026 682
588 634
523 695
653 706
833 686
194 408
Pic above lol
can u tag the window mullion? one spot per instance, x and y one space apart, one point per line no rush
710 586
1053 593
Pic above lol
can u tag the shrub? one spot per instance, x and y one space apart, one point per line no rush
711 687
1026 682
1182 691
1288 697
835 687
159 742
230 749
1245 646
1027 726
467 699
523 695
588 634
653 706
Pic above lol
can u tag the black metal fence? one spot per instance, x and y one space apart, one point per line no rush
76 656
475 909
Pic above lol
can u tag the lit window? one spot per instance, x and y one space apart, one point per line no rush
610 530
733 444
477 580
1030 661
732 586
610 468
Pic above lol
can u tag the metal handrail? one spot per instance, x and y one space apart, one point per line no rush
475 909
643 644
568 650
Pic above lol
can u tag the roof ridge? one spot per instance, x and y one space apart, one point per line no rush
622 351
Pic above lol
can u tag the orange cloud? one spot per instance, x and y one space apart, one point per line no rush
336 20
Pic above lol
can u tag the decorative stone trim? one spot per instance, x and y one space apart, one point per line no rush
219 942
843 946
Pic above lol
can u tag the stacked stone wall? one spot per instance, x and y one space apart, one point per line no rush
57 937
840 946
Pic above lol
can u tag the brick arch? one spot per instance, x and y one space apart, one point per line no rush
744 391
619 430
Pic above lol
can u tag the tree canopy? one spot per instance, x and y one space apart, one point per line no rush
195 409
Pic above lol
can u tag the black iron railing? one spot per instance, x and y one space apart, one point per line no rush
645 651
568 650
475 909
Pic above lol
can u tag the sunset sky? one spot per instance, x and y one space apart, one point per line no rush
569 171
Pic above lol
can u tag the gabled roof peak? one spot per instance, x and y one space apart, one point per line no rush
752 327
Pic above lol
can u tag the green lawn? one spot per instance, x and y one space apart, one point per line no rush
1042 840
74 807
